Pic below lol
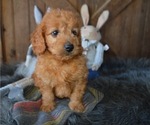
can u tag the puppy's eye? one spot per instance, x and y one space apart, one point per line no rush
55 33
74 32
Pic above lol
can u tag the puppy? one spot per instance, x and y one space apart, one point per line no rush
61 68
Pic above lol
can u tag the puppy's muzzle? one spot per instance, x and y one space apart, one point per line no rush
68 47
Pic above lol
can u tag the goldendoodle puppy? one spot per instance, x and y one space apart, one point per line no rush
61 68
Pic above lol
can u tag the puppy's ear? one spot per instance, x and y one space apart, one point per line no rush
38 41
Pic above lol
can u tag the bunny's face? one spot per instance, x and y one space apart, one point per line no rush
90 33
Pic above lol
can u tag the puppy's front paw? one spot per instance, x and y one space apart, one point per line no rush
47 108
76 106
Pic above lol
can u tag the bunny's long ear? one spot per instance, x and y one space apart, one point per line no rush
37 15
85 14
38 40
102 19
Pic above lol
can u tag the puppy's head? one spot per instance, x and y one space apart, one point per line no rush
59 34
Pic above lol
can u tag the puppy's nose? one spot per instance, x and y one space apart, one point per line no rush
68 47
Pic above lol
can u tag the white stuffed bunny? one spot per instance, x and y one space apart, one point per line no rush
93 48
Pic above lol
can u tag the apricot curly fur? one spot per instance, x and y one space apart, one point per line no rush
58 72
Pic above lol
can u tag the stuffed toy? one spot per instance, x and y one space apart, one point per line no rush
93 48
